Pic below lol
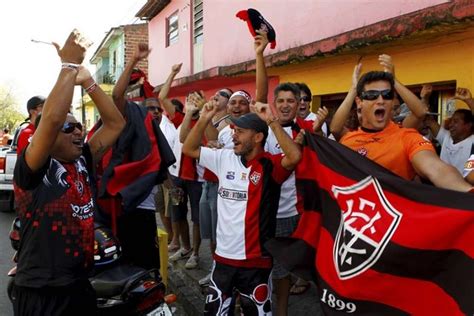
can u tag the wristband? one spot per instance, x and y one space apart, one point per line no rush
272 120
70 66
91 88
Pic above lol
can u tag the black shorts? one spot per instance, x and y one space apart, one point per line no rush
253 284
77 299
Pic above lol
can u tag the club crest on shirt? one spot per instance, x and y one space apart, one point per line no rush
368 222
255 177
230 175
362 151
243 176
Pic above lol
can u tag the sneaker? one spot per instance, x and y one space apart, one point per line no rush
180 254
192 262
206 280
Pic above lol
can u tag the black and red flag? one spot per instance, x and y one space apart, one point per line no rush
376 244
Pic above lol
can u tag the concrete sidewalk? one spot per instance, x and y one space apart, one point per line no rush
184 283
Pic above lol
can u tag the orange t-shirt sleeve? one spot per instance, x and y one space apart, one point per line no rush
414 142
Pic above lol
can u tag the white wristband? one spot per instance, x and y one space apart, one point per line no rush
70 66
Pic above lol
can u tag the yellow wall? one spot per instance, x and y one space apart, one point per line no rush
444 57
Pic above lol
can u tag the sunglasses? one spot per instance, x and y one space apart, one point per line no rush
69 127
224 94
154 108
374 94
306 98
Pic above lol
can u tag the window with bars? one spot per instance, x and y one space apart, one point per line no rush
172 29
198 21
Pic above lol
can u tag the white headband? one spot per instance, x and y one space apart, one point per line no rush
242 94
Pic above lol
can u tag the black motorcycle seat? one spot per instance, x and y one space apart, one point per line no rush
112 282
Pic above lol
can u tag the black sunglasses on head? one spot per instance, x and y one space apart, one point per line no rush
154 108
224 94
69 127
306 98
374 94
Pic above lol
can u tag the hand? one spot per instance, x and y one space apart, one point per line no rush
299 139
197 99
141 52
387 64
209 110
321 115
356 75
463 94
84 77
263 111
190 106
426 91
176 68
261 42
74 49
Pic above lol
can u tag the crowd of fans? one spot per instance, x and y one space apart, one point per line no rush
237 164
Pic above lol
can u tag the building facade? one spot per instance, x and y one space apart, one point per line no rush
318 42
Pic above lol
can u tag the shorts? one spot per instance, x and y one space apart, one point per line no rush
253 284
162 201
76 299
208 211
193 191
284 228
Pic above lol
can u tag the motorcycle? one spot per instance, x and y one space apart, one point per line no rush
121 288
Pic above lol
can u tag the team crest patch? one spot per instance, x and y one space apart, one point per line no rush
368 222
362 151
243 176
255 177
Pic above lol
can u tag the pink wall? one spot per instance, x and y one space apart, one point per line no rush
161 57
297 22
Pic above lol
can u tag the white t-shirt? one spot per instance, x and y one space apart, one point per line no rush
225 137
287 204
454 154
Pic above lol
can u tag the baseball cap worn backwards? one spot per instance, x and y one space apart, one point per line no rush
250 121
34 102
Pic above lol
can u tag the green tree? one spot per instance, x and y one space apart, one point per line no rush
10 116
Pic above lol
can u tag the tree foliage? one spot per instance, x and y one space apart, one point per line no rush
10 117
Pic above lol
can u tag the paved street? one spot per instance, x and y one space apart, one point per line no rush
6 253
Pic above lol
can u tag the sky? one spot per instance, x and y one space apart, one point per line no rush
29 69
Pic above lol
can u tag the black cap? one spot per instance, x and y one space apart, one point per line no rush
34 102
251 121
255 21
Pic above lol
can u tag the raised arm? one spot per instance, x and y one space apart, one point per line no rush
464 95
261 42
417 107
165 89
339 119
57 104
192 144
288 146
427 164
112 120
190 109
118 93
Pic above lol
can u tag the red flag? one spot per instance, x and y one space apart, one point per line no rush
377 244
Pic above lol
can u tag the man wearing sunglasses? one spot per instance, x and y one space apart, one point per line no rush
54 199
403 151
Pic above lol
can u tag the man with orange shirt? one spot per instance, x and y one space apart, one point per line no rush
401 150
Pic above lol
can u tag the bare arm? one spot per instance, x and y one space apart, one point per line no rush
432 124
57 104
190 109
470 178
464 95
192 144
165 89
261 42
118 93
112 120
339 119
427 164
288 146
